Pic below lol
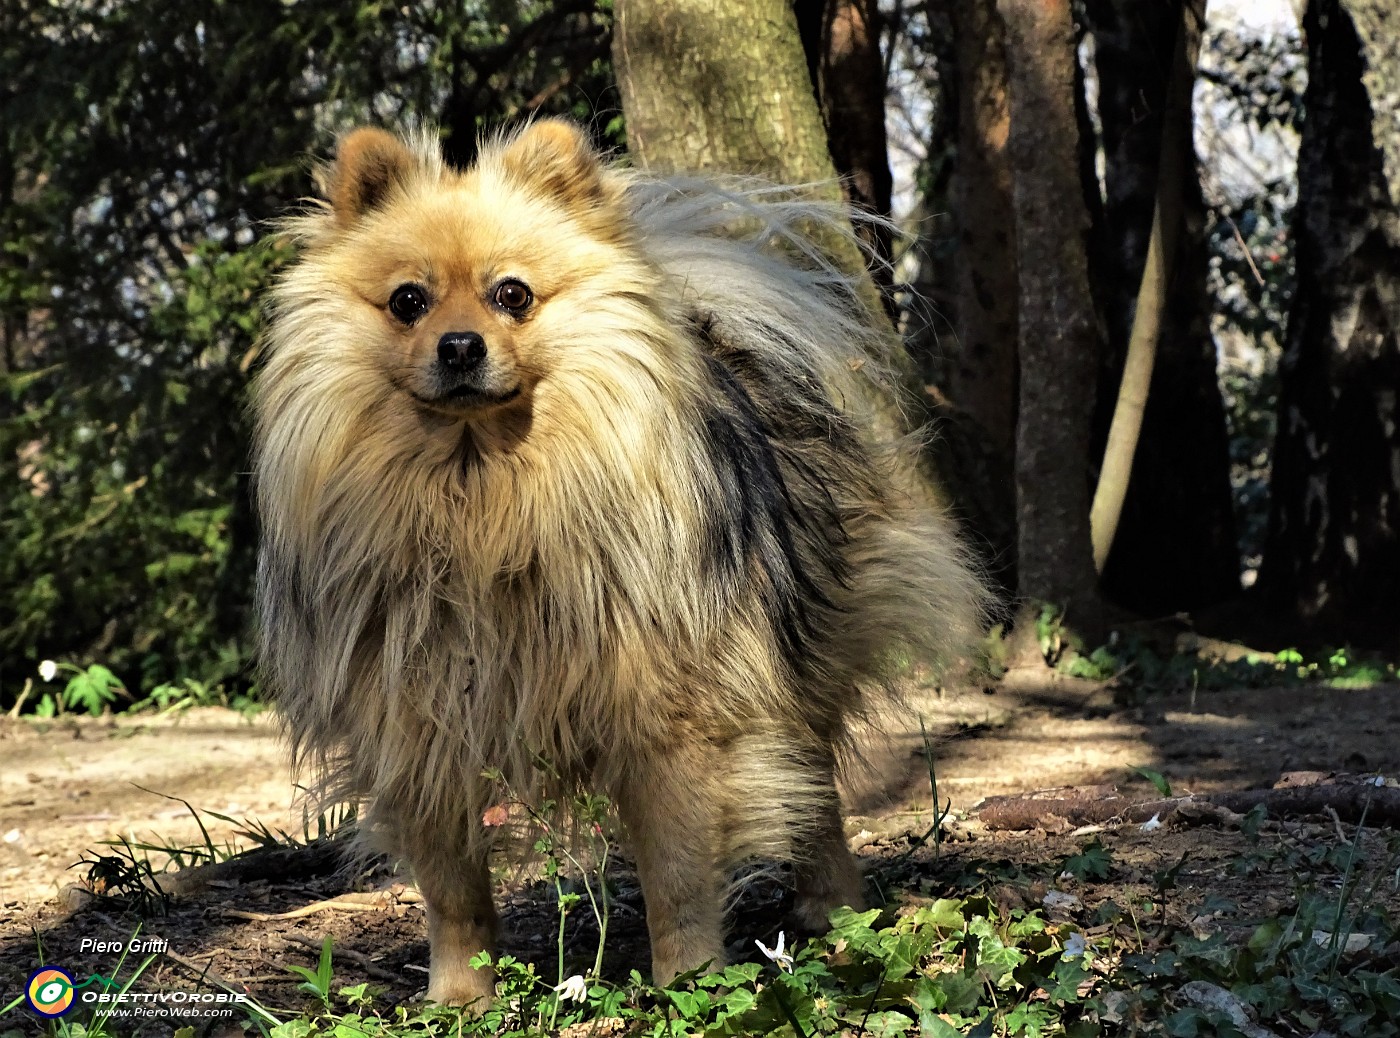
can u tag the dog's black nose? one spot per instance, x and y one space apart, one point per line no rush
461 351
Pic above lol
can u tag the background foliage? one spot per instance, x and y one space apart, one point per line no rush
146 146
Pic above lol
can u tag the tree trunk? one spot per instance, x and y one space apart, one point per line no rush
723 85
841 39
1175 547
983 380
720 85
1333 551
973 285
1058 343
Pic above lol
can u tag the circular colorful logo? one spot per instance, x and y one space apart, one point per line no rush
50 991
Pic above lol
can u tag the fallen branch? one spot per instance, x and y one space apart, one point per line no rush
204 973
1297 795
372 901
208 976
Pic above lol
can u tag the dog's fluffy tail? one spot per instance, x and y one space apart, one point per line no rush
757 262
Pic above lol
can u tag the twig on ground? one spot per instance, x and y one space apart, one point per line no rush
204 972
266 978
373 901
1337 821
23 695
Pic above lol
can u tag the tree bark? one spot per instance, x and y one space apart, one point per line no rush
1057 340
841 39
1333 551
1175 547
720 85
983 376
723 85
972 286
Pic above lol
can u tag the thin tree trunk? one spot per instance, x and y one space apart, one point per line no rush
1333 551
983 380
1057 343
1175 545
972 286
12 314
841 39
1151 305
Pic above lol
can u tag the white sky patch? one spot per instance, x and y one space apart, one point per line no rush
1269 16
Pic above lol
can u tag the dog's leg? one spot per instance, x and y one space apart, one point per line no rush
826 873
461 923
672 813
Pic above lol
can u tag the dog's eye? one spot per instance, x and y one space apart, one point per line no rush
512 295
408 303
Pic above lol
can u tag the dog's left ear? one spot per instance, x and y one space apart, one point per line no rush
556 157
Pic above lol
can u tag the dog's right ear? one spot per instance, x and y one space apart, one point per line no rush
369 163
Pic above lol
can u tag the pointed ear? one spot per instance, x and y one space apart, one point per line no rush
369 163
556 157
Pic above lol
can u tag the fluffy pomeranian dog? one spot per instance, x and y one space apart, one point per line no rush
561 461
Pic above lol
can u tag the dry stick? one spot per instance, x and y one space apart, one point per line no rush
28 687
266 978
203 971
377 901
1117 468
206 975
300 913
1244 248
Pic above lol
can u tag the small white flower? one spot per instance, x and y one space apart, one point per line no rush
776 953
1153 823
1058 900
575 989
48 669
1075 946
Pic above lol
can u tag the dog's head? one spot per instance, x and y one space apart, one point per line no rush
457 287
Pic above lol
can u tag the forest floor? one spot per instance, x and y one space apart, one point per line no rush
69 785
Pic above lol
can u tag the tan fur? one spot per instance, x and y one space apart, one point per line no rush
448 588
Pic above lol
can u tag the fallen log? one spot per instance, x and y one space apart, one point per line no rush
318 858
1296 795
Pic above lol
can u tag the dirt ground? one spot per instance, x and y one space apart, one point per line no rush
66 786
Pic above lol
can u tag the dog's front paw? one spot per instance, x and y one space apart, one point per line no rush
458 984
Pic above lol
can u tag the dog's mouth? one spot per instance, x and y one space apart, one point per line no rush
464 399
